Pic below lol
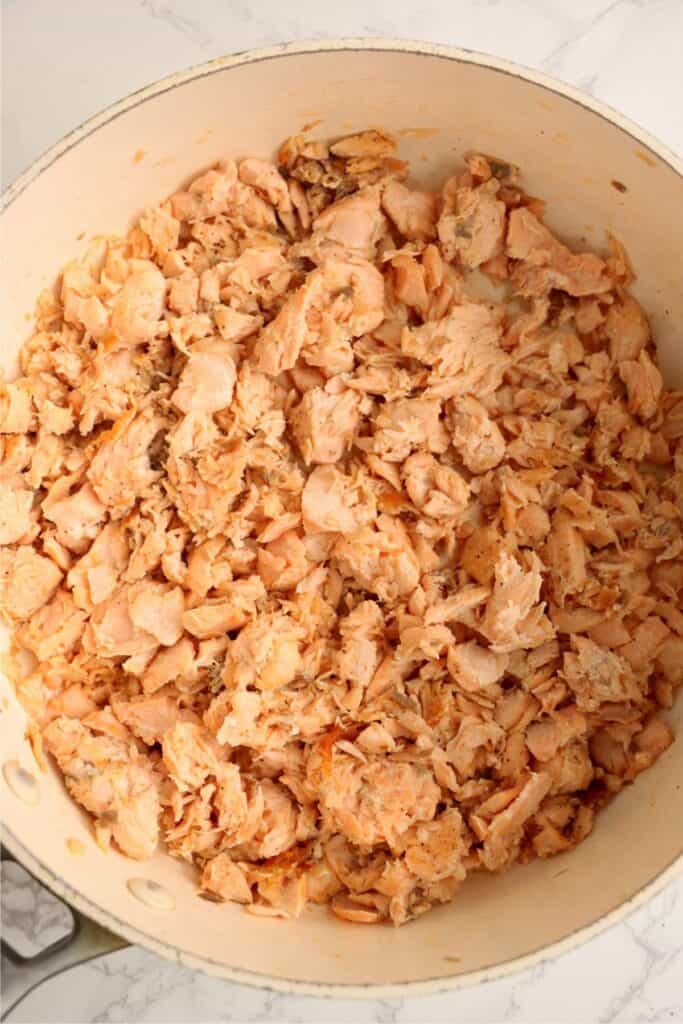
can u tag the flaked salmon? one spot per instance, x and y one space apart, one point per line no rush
335 574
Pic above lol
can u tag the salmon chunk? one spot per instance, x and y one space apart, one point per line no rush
413 212
472 226
353 224
546 263
28 580
324 424
112 781
139 305
121 470
207 383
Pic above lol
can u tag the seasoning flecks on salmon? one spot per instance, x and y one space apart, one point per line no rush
341 531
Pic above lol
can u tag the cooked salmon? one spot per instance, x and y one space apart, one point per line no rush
339 576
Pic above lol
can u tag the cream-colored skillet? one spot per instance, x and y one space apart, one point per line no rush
441 102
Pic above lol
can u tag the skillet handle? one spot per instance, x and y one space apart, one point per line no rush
85 941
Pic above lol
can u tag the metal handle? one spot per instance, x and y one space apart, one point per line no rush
86 941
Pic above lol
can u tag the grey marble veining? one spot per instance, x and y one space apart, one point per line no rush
32 918
625 52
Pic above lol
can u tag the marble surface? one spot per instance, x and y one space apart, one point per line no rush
32 918
626 52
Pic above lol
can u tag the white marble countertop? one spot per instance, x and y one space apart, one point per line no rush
84 55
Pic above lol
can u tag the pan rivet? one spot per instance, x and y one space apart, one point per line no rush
21 782
151 893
